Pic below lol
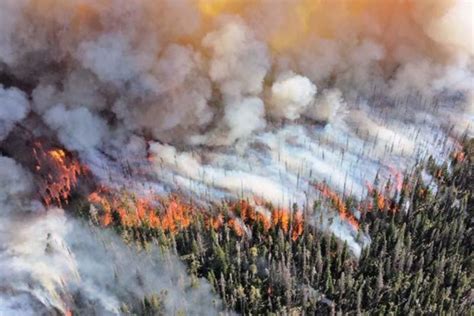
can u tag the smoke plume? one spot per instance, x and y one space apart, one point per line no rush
214 99
53 263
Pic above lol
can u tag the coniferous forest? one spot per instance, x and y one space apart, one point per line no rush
418 259
236 157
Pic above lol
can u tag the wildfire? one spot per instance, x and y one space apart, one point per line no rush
279 217
250 215
297 226
173 215
59 172
398 178
459 156
236 227
382 201
216 222
168 214
338 203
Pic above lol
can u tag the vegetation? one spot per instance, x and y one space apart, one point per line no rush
418 261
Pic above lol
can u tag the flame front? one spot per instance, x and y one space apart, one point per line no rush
172 215
59 174
339 204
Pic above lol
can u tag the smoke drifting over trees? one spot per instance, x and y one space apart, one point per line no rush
211 100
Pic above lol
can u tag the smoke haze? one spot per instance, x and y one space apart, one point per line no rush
51 263
226 99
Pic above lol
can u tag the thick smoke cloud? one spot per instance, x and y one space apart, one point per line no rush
327 106
16 186
14 107
239 62
52 263
226 98
180 75
78 129
290 96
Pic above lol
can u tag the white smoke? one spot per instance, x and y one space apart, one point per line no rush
239 62
454 27
16 186
245 117
253 98
78 129
14 107
327 106
50 262
238 65
290 96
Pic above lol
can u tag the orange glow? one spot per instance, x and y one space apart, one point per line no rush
216 222
285 25
339 204
168 214
172 215
59 174
398 178
247 212
265 221
323 19
459 156
249 215
380 201
212 8
236 227
281 217
297 229
177 216
106 220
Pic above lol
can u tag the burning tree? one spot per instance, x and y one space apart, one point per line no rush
258 263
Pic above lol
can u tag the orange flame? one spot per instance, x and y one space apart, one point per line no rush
380 201
459 156
133 212
338 203
297 226
177 215
60 174
265 221
172 215
216 222
236 227
383 202
280 216
398 178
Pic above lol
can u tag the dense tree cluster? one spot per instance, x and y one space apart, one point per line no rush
418 260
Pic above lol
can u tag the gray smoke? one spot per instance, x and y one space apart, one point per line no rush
246 98
53 263
14 108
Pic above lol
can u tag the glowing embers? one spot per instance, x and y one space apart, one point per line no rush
58 172
338 203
